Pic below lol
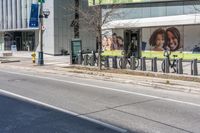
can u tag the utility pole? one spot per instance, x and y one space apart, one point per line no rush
41 16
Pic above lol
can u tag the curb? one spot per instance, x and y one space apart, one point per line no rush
149 79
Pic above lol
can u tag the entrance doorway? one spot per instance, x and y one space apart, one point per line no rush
23 41
132 43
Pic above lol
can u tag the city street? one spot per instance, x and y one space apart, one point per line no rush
68 104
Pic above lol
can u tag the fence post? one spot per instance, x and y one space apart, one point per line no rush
133 63
143 64
154 67
114 62
194 68
85 63
179 66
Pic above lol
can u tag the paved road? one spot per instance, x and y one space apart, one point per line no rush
135 108
17 116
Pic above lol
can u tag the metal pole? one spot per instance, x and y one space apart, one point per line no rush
154 67
143 64
41 16
179 66
85 63
114 62
194 67
106 62
166 65
133 63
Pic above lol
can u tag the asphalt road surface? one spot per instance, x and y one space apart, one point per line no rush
18 116
135 108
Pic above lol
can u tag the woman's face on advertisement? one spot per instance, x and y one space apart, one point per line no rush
172 41
104 42
109 41
120 41
159 40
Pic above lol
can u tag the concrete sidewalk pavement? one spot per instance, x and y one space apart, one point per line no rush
60 65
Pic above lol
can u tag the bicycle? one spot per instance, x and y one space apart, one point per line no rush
173 64
127 61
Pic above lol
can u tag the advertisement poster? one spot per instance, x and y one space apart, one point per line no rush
183 41
166 38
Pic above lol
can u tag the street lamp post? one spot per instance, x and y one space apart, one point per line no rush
41 16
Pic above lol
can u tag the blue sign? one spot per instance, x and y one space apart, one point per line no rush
34 16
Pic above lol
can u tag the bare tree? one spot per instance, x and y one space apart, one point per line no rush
95 18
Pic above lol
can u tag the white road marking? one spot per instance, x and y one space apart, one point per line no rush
115 128
106 88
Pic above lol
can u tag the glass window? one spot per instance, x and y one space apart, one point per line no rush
175 8
190 7
158 10
146 11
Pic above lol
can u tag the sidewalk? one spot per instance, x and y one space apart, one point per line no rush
60 65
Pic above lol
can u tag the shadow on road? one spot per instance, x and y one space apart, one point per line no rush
23 117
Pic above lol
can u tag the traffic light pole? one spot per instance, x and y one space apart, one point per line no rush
41 16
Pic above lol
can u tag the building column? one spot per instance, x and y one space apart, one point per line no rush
1 14
1 41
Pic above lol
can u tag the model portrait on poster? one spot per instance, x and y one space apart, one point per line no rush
169 39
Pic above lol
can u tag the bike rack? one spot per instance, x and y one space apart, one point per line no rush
92 60
85 58
143 64
80 58
179 66
106 62
114 62
194 67
133 63
122 62
166 70
154 67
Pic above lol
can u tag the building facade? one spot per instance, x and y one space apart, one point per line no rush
156 25
19 29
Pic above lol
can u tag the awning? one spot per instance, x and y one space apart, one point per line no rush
189 19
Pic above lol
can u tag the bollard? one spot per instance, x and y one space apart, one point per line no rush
143 64
94 55
166 65
123 62
179 66
85 63
154 67
194 68
80 58
106 62
114 62
133 63
91 60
